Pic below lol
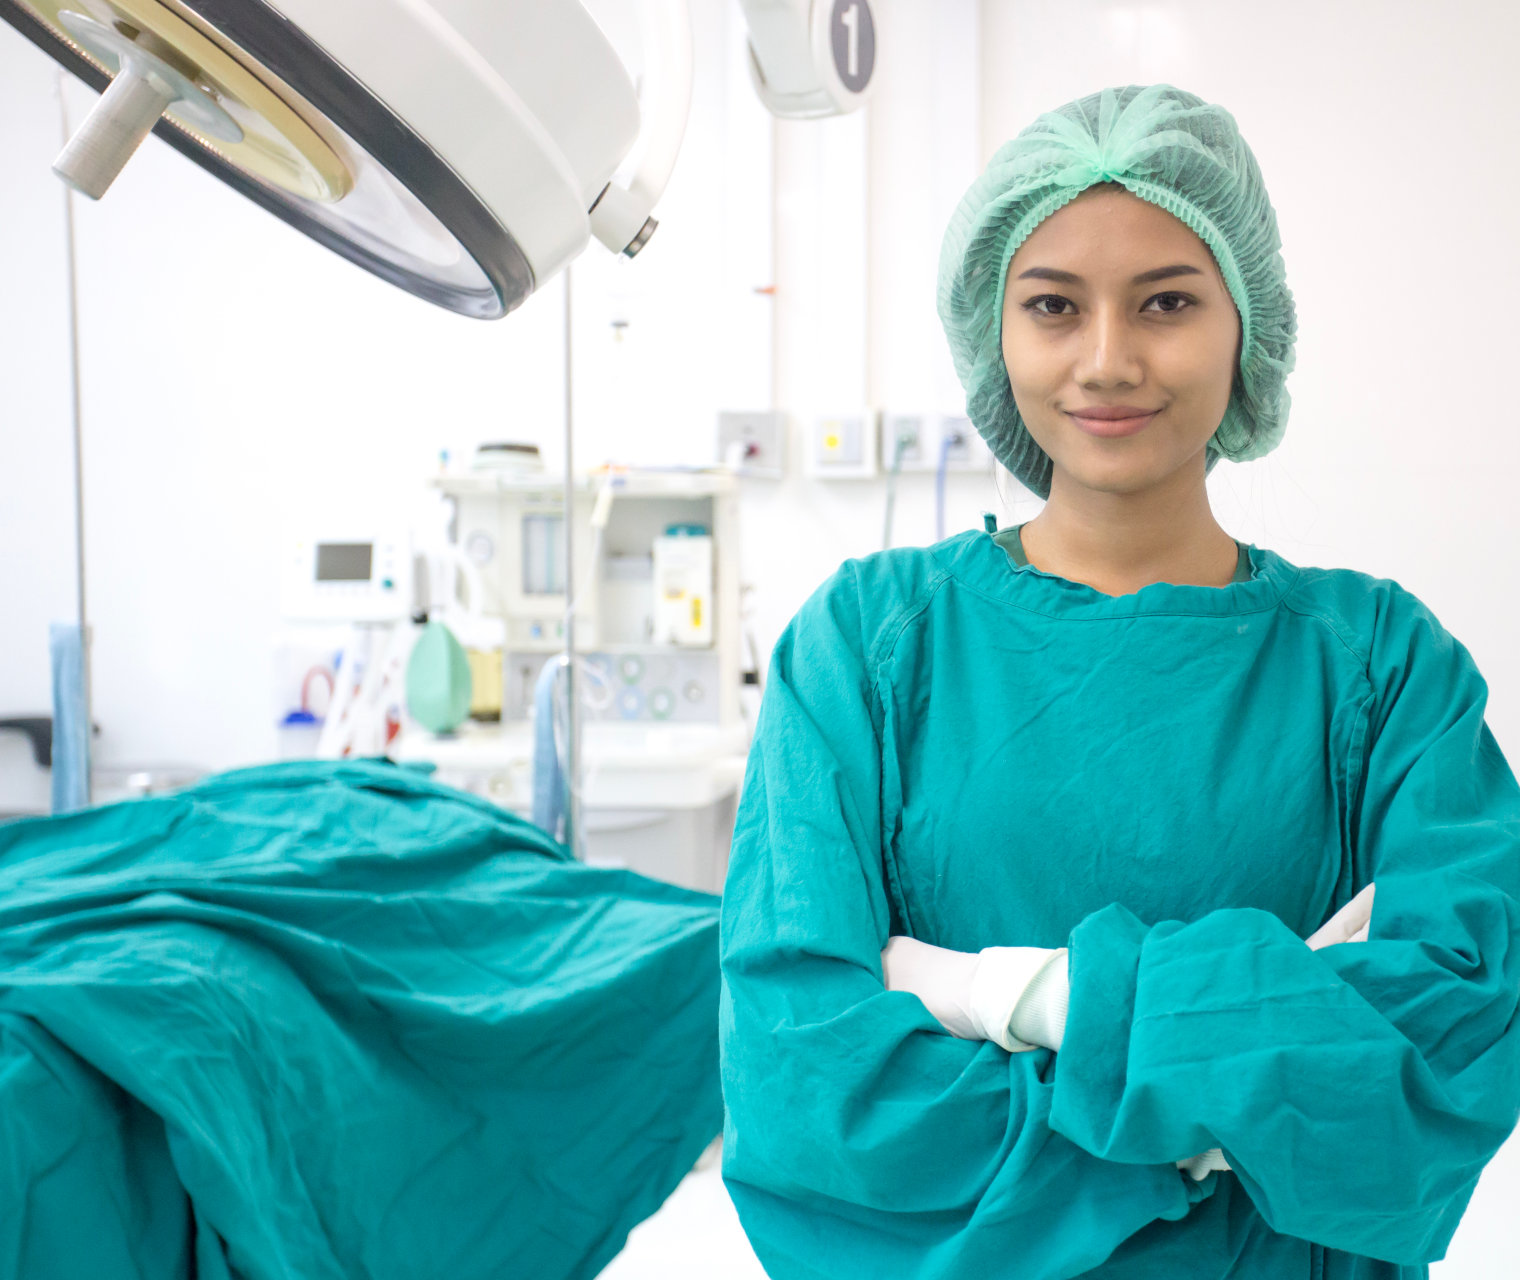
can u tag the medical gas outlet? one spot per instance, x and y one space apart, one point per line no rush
753 444
843 446
920 441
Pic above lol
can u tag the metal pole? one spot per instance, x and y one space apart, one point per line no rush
573 837
84 617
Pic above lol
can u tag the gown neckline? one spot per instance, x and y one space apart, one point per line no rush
976 558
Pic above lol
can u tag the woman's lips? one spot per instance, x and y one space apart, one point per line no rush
1113 426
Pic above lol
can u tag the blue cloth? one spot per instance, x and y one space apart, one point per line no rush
71 718
331 1019
548 777
1179 784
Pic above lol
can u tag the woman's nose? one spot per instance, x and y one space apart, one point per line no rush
1109 353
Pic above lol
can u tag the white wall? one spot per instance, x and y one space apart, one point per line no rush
238 380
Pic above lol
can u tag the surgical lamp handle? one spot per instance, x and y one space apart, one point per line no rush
620 217
112 132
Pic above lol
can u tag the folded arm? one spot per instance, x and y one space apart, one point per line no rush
1017 997
1358 1091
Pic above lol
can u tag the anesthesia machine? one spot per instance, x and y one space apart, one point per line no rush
656 607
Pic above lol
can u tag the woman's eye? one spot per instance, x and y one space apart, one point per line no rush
1174 297
1034 304
1178 302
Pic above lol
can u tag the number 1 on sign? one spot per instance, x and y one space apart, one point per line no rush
851 18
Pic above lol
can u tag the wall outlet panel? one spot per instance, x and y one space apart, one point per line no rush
904 440
755 440
923 434
843 446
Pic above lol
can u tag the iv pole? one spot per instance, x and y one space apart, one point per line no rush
74 738
573 837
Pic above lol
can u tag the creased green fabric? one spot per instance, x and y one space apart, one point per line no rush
1179 784
335 1020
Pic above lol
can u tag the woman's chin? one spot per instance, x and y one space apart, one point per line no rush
1112 475
1102 468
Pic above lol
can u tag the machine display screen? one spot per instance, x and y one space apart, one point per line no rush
344 561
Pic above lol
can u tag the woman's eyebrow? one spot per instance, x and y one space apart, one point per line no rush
1145 277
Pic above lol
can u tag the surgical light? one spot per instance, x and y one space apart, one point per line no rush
464 150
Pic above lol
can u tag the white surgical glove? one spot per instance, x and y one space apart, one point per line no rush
1349 924
1039 1017
974 994
1201 1166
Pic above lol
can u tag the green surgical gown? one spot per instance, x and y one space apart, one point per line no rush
1179 784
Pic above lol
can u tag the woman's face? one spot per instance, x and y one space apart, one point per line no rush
1083 327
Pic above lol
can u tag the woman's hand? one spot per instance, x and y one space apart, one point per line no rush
974 994
941 978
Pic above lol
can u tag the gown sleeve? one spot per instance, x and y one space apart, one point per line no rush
859 1137
1359 1090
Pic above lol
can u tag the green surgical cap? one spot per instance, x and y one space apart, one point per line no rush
1166 146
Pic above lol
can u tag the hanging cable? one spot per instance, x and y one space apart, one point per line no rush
570 670
950 440
905 438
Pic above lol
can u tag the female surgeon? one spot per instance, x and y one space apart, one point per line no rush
1045 943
